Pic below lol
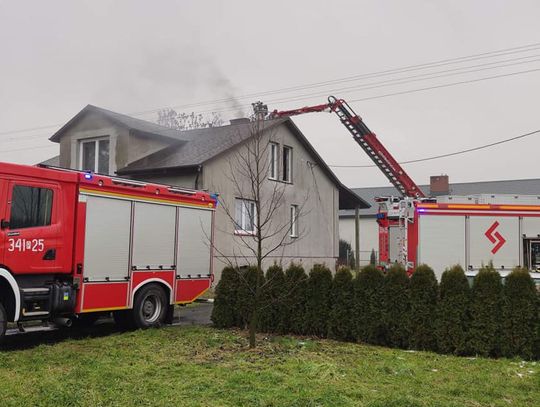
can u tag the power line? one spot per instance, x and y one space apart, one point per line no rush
435 157
309 97
442 62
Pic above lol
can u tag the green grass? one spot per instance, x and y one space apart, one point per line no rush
196 366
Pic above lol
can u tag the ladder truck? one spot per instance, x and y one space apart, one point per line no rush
77 245
394 212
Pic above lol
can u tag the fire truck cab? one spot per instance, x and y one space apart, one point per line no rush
75 245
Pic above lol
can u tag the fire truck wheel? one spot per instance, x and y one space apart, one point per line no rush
150 308
3 322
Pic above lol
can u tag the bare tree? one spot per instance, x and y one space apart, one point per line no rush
259 213
187 121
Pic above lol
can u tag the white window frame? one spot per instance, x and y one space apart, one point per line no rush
288 176
274 161
294 220
94 141
240 224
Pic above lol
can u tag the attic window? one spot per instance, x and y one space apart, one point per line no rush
94 155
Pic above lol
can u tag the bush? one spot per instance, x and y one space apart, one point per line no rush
484 335
342 294
246 294
272 304
519 314
368 293
423 308
452 323
396 304
295 299
318 304
224 312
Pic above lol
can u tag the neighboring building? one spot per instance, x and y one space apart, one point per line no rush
439 185
106 142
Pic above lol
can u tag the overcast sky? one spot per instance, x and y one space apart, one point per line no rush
138 56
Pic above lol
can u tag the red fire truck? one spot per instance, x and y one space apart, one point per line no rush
74 245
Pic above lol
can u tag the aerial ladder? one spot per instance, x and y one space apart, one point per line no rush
396 212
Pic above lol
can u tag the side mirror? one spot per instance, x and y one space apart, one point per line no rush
4 224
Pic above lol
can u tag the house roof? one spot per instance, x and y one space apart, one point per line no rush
128 122
518 187
195 147
52 162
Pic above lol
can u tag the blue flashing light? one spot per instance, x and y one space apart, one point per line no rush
380 216
420 210
88 175
215 198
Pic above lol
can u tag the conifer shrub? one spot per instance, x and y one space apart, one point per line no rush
225 311
485 310
318 287
273 301
452 322
295 299
368 295
246 294
424 293
519 314
340 319
396 304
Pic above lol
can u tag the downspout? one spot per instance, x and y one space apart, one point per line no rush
199 170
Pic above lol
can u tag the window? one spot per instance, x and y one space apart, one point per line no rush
274 161
294 220
245 216
95 156
30 207
287 164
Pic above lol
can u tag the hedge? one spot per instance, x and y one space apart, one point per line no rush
272 304
295 299
453 319
485 331
424 292
519 315
368 291
489 319
318 303
225 311
396 306
342 294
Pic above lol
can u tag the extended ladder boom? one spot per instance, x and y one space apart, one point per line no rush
367 140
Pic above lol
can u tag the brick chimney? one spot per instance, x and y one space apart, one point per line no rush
438 185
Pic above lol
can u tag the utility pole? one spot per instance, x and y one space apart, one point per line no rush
357 238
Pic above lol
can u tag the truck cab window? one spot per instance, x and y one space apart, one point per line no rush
30 207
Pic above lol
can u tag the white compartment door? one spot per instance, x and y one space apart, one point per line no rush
531 227
494 238
441 242
154 227
106 247
194 236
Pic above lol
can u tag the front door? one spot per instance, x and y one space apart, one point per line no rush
31 228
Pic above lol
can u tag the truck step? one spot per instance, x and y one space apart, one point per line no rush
35 313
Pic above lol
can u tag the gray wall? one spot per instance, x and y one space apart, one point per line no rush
318 225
